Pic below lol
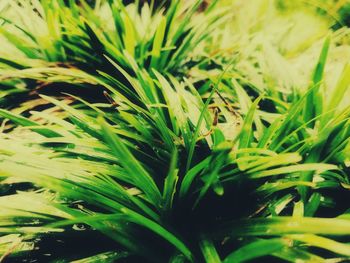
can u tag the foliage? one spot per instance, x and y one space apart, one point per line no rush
180 133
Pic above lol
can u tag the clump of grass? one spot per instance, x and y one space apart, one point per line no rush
173 134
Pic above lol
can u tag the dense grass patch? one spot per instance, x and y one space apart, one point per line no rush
174 131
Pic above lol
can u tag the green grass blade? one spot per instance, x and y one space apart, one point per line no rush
139 175
208 250
256 249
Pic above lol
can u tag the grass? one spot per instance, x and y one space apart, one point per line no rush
183 132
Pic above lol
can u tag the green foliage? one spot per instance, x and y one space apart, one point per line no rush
189 132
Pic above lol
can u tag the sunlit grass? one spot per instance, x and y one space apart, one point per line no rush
190 132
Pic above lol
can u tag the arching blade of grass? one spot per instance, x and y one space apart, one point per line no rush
287 225
26 122
139 175
209 251
256 249
322 242
314 101
170 183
